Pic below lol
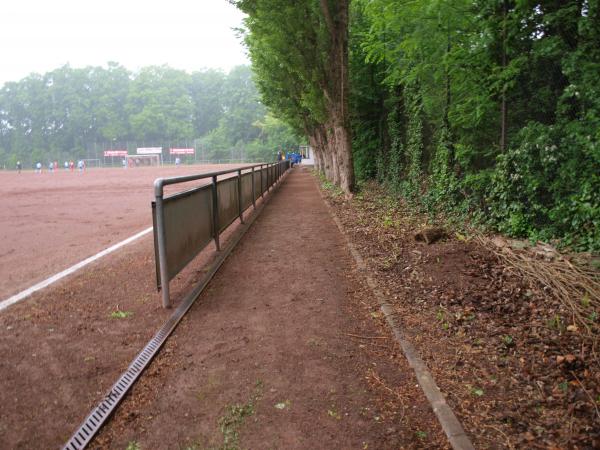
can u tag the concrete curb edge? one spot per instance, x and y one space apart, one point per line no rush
450 424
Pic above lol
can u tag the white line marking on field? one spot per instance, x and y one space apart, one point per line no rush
54 278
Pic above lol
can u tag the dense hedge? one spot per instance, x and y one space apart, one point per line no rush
487 111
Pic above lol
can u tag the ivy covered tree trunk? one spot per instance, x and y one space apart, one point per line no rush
396 130
414 140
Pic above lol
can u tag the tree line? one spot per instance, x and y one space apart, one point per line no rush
479 110
64 113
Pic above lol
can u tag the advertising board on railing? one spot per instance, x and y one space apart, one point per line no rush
182 151
108 153
149 150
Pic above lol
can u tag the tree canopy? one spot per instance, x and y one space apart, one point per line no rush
488 109
485 108
68 113
299 53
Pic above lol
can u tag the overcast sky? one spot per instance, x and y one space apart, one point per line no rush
41 35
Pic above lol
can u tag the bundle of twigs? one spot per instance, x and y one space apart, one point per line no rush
577 287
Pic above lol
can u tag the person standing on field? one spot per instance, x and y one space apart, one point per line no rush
19 166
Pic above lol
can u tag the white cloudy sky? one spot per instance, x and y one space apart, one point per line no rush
41 35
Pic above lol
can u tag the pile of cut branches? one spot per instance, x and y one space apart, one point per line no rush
576 286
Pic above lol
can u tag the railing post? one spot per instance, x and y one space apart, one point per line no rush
162 247
253 190
215 202
262 191
240 206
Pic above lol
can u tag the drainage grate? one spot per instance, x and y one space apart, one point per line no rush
98 416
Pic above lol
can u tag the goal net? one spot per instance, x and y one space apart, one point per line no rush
89 163
142 160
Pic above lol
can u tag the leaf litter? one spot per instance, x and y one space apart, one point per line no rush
513 352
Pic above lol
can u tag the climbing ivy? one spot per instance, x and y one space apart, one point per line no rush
491 111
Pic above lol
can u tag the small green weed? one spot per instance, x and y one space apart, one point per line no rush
478 392
556 323
508 340
387 221
234 417
333 413
421 434
331 188
585 301
120 314
133 445
440 315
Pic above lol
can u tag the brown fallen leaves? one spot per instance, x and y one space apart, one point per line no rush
483 326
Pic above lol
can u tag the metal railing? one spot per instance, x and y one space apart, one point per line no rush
186 222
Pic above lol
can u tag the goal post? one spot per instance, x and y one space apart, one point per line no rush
91 163
143 160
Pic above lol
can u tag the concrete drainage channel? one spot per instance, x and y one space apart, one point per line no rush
100 414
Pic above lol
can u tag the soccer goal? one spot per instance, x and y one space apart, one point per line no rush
142 160
91 163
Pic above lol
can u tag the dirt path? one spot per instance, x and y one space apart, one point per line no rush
285 349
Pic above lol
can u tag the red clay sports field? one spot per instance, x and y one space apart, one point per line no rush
51 221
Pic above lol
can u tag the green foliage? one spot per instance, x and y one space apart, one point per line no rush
118 314
414 142
159 105
65 113
549 185
435 74
234 417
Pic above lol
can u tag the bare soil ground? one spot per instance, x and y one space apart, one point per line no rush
286 349
51 221
502 350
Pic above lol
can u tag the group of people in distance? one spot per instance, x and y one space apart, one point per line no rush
53 166
293 157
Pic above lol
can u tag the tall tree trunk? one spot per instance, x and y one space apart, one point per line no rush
321 136
336 14
344 158
316 150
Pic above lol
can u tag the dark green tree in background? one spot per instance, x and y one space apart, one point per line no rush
75 113
488 109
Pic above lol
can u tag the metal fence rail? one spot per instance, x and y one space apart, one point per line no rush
186 222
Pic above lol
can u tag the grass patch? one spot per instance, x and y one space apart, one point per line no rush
234 417
118 314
